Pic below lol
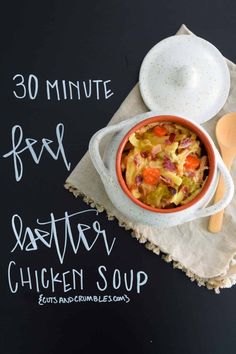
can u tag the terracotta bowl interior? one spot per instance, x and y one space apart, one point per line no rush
205 141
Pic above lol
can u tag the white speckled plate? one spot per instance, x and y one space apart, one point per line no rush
187 75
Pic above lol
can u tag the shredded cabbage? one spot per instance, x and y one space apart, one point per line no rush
175 167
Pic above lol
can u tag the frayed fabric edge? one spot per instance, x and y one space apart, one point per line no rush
210 283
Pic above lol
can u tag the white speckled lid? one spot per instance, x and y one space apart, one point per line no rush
186 75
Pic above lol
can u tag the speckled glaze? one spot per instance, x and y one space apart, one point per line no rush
106 168
185 74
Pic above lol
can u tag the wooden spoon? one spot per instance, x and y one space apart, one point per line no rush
226 137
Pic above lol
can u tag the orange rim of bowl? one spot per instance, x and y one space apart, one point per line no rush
172 119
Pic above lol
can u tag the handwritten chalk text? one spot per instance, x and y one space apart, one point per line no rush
28 88
43 300
38 280
20 145
47 235
73 279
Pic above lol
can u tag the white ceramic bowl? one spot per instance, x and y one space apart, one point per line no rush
138 212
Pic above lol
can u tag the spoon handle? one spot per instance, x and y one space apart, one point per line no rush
215 222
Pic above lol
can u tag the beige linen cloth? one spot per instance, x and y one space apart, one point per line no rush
210 259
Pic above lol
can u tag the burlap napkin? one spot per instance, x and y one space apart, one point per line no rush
210 259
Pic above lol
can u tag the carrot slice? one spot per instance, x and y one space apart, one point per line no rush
191 162
151 175
159 131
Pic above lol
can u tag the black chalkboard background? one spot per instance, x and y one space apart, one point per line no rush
82 40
